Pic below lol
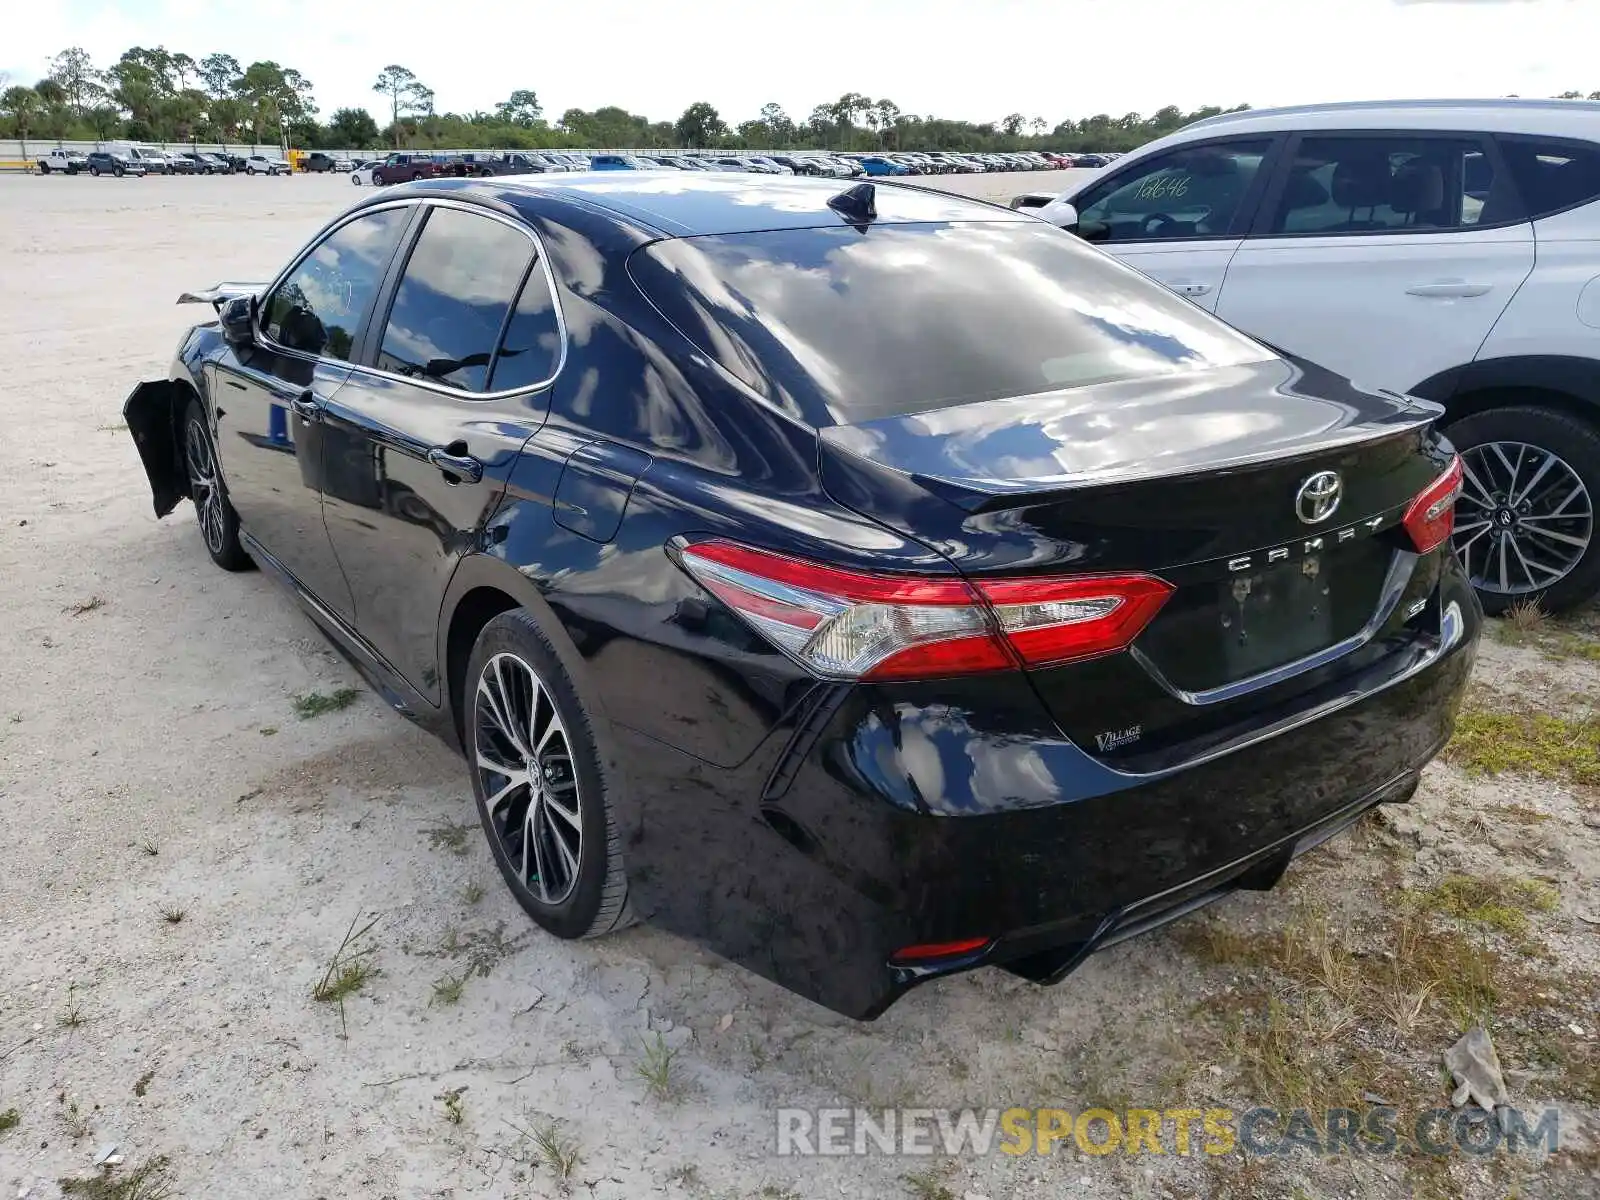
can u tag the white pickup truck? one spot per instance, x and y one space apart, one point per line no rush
68 162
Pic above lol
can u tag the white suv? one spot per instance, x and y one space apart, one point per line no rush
1449 249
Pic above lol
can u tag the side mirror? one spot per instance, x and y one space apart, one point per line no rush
237 318
1063 214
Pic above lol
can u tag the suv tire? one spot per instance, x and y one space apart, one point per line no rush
1543 468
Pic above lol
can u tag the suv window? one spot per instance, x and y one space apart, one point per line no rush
1387 184
1192 191
531 347
319 307
453 299
1552 175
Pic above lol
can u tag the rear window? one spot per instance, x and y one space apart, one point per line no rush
839 326
1552 175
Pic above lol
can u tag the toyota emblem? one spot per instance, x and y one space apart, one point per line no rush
1318 497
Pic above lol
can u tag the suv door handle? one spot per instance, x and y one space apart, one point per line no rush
1449 289
1185 287
307 407
462 465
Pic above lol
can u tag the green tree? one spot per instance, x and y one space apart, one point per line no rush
273 96
887 114
403 88
700 126
352 128
104 119
775 119
22 105
520 108
220 73
74 71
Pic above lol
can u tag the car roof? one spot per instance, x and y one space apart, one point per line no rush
686 204
1580 118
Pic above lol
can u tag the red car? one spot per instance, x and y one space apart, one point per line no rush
402 167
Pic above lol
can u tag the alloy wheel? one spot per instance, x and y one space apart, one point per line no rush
529 787
1524 519
203 489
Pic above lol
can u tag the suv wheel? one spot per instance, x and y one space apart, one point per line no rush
1525 523
219 524
540 782
95 171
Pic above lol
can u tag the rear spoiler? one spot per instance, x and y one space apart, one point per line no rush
219 294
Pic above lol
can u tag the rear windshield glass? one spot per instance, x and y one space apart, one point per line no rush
840 326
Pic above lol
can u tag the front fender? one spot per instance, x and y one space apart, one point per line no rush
154 414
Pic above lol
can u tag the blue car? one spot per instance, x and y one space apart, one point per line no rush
875 165
620 162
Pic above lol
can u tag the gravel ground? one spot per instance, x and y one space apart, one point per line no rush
184 856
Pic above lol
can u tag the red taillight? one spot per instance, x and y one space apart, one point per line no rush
931 951
856 625
1431 517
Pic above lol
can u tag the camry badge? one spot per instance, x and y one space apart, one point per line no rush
1318 497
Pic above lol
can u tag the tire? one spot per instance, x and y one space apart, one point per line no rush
95 171
44 168
219 524
117 172
514 659
1567 487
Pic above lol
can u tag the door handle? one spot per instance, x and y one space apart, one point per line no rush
1185 287
1449 289
461 465
306 407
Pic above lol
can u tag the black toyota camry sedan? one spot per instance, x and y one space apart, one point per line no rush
863 582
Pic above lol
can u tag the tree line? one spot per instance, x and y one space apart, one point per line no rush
159 96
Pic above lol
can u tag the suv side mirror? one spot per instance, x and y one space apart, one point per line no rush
1062 214
237 318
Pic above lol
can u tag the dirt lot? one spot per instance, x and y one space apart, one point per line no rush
184 853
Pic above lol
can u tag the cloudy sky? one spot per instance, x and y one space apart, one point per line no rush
1049 58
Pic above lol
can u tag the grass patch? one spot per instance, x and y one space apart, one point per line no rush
142 1084
929 1184
151 1180
472 893
72 1017
454 1111
1497 902
315 704
172 916
149 848
656 1068
556 1151
349 970
9 1119
1534 743
75 1120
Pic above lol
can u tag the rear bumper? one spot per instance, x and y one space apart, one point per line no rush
878 820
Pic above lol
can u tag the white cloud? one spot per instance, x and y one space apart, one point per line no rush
1049 58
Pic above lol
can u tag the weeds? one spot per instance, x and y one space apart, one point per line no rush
172 916
447 990
142 1085
9 1119
446 836
73 1017
151 1180
929 1184
1542 744
454 1111
655 1068
315 704
685 1176
1525 616
1496 902
349 970
269 731
75 1120
472 893
149 848
86 606
561 1154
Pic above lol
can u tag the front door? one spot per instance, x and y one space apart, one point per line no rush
1387 258
422 439
267 397
1179 216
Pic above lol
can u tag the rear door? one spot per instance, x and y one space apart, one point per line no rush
1180 215
454 378
266 397
1387 257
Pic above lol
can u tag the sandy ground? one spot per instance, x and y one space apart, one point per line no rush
151 765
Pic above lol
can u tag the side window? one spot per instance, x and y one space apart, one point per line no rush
531 347
1188 192
1552 175
453 298
1340 185
318 308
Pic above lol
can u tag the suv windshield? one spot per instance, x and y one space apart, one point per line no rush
841 326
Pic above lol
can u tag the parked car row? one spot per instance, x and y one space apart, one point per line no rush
148 160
